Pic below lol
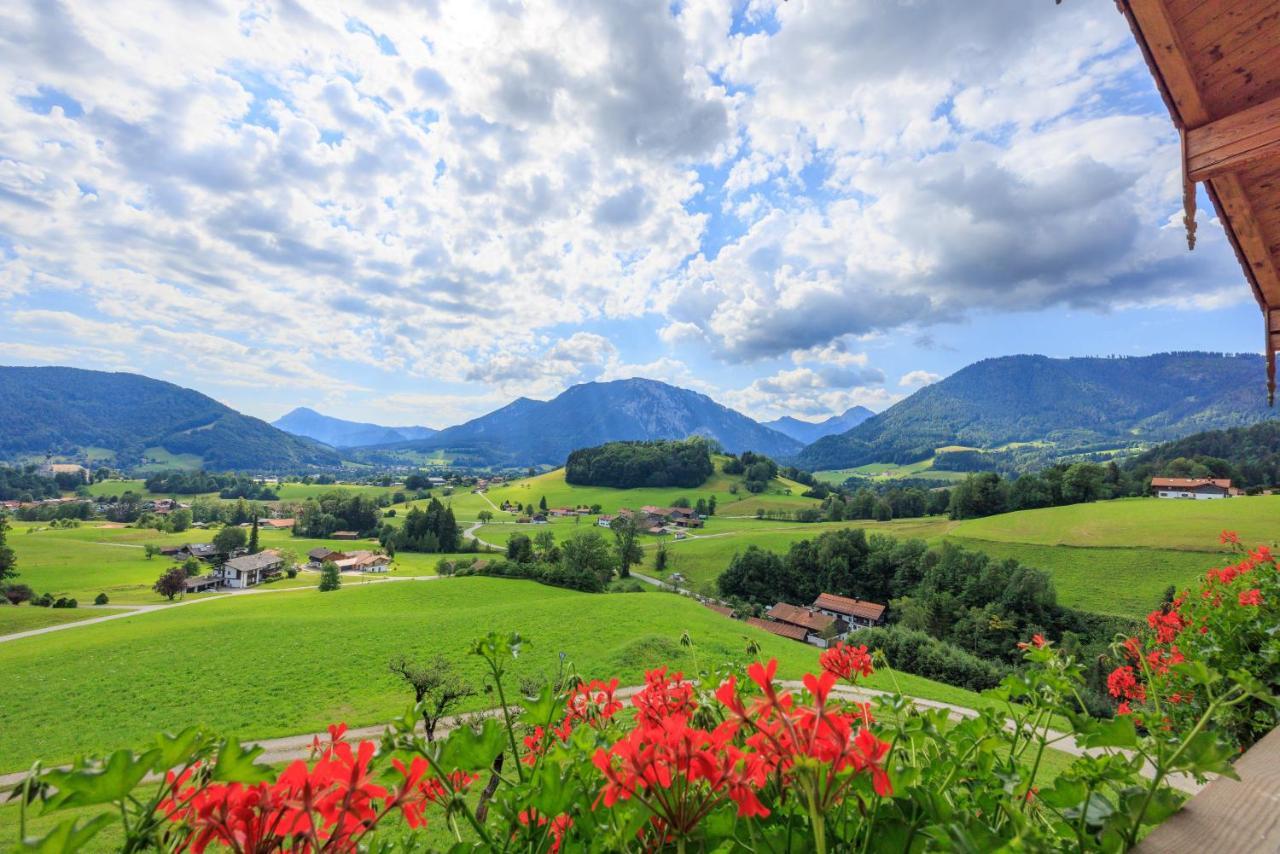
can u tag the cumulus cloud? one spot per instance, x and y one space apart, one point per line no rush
915 379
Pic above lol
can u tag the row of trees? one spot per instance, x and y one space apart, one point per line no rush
988 493
756 469
432 530
24 484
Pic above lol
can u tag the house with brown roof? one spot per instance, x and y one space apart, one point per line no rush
820 627
320 554
345 535
1195 488
275 524
363 561
783 630
722 610
856 612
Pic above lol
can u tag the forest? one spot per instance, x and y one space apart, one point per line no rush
625 465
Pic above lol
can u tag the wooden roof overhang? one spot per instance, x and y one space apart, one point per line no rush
1217 64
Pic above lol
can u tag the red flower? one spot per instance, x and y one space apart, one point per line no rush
1123 684
1251 597
662 698
592 703
1229 537
1037 641
846 662
1166 625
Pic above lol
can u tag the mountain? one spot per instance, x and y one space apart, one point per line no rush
345 434
1250 456
809 432
1081 404
67 411
532 432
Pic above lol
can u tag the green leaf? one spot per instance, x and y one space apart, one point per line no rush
176 750
1207 753
543 710
235 764
472 750
68 836
1117 732
110 782
1065 793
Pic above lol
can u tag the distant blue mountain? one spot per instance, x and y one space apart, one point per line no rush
809 432
341 433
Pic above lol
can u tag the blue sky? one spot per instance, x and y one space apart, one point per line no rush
414 212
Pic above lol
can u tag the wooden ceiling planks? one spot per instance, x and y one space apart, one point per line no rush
1217 65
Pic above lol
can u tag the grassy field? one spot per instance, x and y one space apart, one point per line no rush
782 494
23 618
279 664
303 491
890 471
1134 522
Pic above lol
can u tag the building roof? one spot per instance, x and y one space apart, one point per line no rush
1189 482
785 630
1219 73
322 552
849 607
724 610
249 563
794 614
275 523
202 581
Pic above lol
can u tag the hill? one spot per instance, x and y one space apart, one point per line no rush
811 431
1250 456
341 433
127 420
1080 404
536 432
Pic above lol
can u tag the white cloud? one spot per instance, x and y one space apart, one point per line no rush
915 379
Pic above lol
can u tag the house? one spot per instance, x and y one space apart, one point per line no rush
276 524
363 561
251 570
1196 488
320 554
201 583
785 630
605 521
207 552
807 618
855 612
344 535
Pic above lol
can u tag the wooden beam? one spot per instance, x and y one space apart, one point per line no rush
1166 51
1234 141
1254 254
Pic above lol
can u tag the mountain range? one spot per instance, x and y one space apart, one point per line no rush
340 433
127 419
809 432
1078 403
529 432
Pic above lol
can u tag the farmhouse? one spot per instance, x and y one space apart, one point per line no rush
1195 488
275 524
345 535
855 612
201 551
819 627
785 630
362 561
320 554
251 570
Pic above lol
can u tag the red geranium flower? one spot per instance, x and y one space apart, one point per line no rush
1251 597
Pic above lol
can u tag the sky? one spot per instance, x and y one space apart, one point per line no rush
414 211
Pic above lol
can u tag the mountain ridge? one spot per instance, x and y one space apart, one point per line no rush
538 432
1070 403
67 411
343 433
809 432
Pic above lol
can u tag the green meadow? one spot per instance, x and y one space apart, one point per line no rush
288 663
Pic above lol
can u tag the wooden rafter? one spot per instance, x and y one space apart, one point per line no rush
1234 151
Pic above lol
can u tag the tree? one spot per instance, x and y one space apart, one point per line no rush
660 558
180 520
542 503
150 550
485 516
711 506
437 688
229 539
519 548
587 553
253 537
545 543
1083 482
18 593
172 583
330 578
101 599
626 532
191 567
8 559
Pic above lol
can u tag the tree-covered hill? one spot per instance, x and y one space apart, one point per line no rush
526 432
626 465
65 411
1250 456
1078 403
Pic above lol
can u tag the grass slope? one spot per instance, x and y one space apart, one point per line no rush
288 663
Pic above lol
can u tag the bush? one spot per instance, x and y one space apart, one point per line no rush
16 594
45 600
291 572
64 602
330 578
628 585
101 599
918 653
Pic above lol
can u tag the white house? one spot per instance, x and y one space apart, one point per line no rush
251 570
1195 488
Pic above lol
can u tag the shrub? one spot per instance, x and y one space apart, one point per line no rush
45 600
291 572
101 599
18 593
919 653
330 578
